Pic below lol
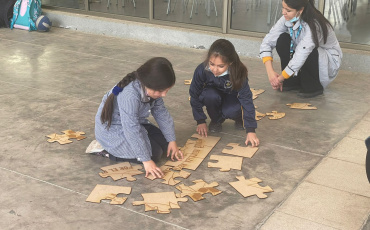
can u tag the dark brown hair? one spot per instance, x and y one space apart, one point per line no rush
156 74
312 16
226 51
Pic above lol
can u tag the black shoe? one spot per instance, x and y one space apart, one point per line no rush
291 87
312 94
215 127
239 124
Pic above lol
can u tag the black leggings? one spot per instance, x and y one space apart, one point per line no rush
157 141
308 76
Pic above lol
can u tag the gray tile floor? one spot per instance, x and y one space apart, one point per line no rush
54 81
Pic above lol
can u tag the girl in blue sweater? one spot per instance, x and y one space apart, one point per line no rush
220 84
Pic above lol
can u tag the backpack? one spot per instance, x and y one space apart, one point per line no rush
25 14
6 12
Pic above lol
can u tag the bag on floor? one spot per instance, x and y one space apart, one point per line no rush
25 14
6 12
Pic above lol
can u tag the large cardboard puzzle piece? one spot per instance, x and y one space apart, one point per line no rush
108 192
240 151
61 139
196 191
74 135
120 171
226 163
275 115
301 106
163 202
256 92
170 175
259 115
250 187
194 152
64 138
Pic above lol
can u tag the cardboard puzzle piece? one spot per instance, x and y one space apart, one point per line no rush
170 175
64 138
226 163
275 115
61 139
108 192
194 152
163 202
121 170
256 92
250 187
196 191
259 115
301 106
74 135
240 151
187 82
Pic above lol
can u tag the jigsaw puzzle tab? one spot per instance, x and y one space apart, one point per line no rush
120 171
196 191
170 175
188 82
250 187
259 115
256 92
226 163
301 106
275 115
108 192
163 202
237 150
74 135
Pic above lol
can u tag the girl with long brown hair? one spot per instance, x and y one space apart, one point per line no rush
220 84
121 124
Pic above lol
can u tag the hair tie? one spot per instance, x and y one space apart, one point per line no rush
116 90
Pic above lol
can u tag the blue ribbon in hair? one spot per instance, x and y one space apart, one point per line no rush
116 90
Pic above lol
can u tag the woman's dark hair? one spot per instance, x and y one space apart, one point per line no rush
156 74
226 51
312 16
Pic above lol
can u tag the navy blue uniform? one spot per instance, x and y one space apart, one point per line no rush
220 100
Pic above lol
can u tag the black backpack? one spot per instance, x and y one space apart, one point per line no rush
6 12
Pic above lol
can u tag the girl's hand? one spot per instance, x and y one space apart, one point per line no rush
252 138
151 167
202 129
174 151
281 80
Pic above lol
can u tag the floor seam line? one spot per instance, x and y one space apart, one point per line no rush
346 161
352 193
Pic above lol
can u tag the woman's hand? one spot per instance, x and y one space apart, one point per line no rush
274 79
202 129
252 138
174 151
151 167
281 80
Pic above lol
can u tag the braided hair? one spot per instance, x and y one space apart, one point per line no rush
156 74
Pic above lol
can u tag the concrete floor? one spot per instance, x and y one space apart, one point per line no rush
50 82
